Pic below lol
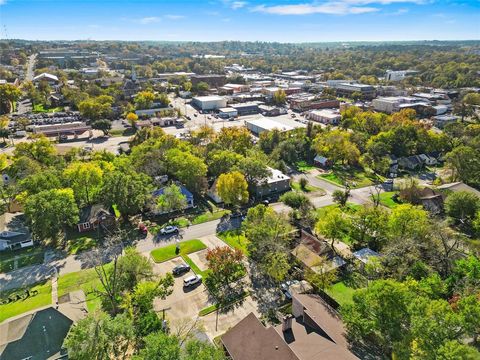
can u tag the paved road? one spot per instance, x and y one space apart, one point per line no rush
32 274
30 67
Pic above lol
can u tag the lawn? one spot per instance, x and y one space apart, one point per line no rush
195 268
77 242
308 189
43 298
303 166
209 216
86 280
349 208
386 199
355 177
236 239
39 108
341 293
25 257
169 252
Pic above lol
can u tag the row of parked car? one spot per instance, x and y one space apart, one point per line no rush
48 118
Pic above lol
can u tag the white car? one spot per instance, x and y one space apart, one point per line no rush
192 280
169 230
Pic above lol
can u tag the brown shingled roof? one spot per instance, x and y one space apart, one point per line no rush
249 340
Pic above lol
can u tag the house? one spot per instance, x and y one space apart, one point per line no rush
49 78
427 159
459 186
364 255
35 336
276 183
213 193
315 331
316 254
431 200
185 192
322 161
412 163
13 233
95 216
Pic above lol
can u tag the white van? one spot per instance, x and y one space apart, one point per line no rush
192 280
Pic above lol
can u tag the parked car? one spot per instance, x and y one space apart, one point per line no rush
180 269
170 229
285 287
192 280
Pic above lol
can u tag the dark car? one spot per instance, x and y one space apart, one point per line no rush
180 269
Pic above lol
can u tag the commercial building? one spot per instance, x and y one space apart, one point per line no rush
310 102
211 79
392 75
326 116
227 112
347 89
394 104
257 126
49 78
209 102
231 89
246 108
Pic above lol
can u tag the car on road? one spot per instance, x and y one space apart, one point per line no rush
170 229
192 280
180 269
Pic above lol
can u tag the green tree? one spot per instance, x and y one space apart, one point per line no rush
464 162
44 180
40 150
50 211
85 179
171 199
129 191
133 267
333 225
100 337
9 94
96 108
236 139
337 146
408 221
222 161
144 99
279 97
103 124
276 265
201 350
233 188
454 350
187 168
341 196
159 346
462 206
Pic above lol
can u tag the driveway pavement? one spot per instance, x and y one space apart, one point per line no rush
182 303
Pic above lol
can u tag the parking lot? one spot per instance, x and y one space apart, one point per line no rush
182 303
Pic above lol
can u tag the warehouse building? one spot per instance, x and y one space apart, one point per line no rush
246 108
209 102
257 126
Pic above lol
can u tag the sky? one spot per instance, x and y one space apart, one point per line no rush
247 20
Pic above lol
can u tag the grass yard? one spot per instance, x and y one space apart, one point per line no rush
349 208
308 189
39 108
195 268
386 199
303 166
355 177
25 257
43 298
236 239
209 216
169 252
85 280
78 242
341 293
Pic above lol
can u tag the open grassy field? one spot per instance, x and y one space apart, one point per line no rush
169 252
236 239
43 298
355 177
303 166
39 108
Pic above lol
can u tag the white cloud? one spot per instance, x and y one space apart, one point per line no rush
148 20
174 17
334 7
3 2
238 4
